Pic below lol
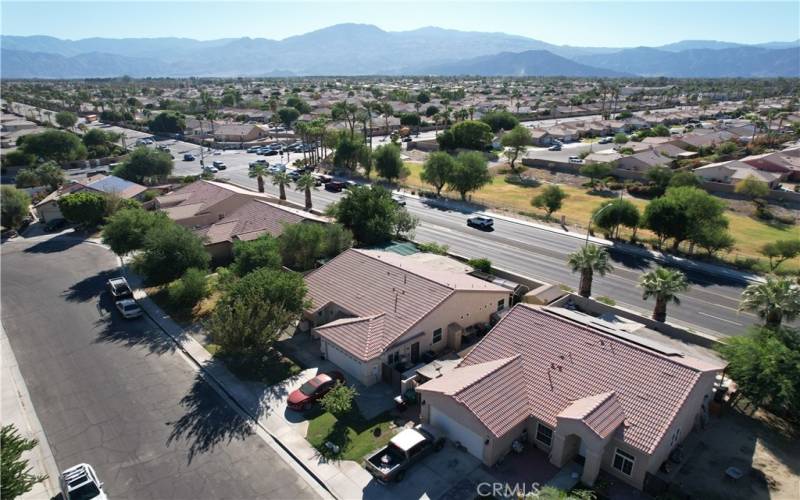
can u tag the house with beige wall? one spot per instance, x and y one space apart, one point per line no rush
377 313
577 390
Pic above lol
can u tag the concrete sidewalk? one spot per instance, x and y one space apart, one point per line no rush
17 409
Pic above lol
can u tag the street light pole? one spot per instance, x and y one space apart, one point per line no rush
591 219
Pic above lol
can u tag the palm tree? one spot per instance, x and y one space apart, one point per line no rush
306 183
665 285
775 300
588 260
258 171
281 179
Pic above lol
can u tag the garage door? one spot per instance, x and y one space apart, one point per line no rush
343 361
457 432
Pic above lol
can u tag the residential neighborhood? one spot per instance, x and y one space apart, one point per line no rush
536 270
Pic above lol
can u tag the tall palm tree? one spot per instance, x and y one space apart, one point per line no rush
306 183
281 179
775 300
665 285
588 260
258 172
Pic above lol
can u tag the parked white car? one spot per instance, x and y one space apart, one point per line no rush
129 308
80 482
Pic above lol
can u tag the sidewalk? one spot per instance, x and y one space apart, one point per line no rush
17 409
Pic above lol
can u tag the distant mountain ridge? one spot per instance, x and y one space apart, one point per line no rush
359 49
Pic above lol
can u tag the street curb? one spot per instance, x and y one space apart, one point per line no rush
210 376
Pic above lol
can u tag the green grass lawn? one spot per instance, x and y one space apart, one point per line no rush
355 436
749 233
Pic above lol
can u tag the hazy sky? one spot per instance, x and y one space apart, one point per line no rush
587 23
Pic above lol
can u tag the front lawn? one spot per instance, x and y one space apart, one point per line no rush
268 369
355 436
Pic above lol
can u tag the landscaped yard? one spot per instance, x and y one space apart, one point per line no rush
749 233
355 436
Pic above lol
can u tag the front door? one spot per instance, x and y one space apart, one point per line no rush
415 352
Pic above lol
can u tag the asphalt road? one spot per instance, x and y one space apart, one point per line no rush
116 393
710 305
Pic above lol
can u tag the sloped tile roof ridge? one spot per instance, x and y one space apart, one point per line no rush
347 321
588 404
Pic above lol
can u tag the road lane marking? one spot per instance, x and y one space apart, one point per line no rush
721 319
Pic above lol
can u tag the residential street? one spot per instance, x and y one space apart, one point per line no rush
117 394
711 304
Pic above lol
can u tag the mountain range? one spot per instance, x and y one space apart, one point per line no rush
357 49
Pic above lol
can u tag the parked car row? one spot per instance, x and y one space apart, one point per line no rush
122 295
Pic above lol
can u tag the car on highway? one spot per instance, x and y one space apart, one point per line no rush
270 152
54 225
555 147
80 482
253 149
294 173
129 308
210 170
188 157
257 163
335 186
399 200
303 399
323 178
606 140
119 288
575 159
219 164
481 222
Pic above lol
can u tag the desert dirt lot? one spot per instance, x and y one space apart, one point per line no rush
763 447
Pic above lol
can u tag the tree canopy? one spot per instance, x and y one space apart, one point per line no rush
85 208
619 213
168 251
15 472
469 134
371 214
57 145
500 120
126 229
14 206
168 122
255 254
550 199
516 141
388 163
470 173
66 119
437 170
301 245
145 165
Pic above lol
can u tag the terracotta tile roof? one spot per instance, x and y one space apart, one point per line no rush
202 195
565 361
369 283
602 413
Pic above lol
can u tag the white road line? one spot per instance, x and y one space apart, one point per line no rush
721 319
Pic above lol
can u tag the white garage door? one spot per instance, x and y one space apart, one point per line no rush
345 362
457 432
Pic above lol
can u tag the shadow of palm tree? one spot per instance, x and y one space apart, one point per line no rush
57 244
90 288
208 420
133 333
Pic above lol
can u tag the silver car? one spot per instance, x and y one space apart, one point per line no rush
129 308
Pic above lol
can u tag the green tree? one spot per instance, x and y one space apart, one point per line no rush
470 173
255 310
780 251
620 138
339 400
775 300
550 199
280 179
660 177
126 229
18 158
26 178
684 213
57 145
437 169
388 163
85 208
595 171
587 260
301 245
14 206
66 119
469 134
685 179
370 213
307 183
754 189
189 289
765 364
713 239
168 251
500 120
619 213
516 142
481 264
145 165
664 285
255 254
16 478
288 116
50 175
660 131
167 122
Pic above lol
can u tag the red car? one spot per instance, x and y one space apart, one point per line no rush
304 397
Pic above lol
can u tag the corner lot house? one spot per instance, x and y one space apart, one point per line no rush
576 390
222 213
377 312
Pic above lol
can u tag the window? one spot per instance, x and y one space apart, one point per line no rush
623 462
394 358
501 304
544 434
437 335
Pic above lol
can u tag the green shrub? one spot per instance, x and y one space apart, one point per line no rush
481 264
433 248
189 289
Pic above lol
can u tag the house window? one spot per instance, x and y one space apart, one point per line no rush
501 304
623 462
437 335
394 358
544 434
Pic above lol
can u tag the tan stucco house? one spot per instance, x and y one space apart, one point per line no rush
576 390
377 312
